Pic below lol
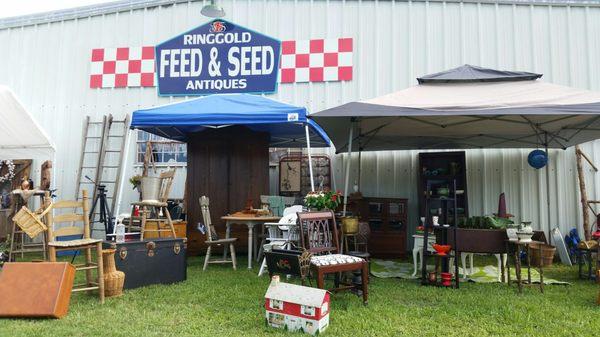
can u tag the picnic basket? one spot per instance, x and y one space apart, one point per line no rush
30 222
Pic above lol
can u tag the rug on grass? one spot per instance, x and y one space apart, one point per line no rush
487 274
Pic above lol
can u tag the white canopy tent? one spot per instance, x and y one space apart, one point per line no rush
467 107
21 137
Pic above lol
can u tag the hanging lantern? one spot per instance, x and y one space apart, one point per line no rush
537 159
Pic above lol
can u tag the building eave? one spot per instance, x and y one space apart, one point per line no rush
131 5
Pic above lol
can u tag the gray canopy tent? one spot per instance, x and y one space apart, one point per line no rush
464 108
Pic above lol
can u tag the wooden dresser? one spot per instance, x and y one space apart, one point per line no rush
388 219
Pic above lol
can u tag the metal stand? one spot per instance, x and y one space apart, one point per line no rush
105 216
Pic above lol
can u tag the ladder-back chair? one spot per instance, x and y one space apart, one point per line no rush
85 244
319 236
147 206
212 238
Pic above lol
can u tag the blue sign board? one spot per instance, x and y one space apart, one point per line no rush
216 58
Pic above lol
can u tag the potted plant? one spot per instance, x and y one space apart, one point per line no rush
323 200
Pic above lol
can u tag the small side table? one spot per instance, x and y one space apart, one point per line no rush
519 247
584 255
345 245
417 250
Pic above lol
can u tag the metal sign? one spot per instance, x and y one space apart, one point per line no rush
215 58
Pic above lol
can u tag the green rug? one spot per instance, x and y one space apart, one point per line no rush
487 274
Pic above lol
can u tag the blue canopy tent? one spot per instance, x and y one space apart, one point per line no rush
287 125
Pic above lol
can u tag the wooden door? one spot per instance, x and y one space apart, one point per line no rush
230 166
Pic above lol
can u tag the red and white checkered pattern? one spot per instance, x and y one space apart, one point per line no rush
318 60
122 67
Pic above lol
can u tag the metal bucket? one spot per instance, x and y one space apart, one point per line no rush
350 225
150 188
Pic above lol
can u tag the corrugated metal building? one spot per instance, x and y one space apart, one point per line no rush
45 59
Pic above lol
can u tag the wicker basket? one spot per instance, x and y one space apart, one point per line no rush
30 222
113 279
546 257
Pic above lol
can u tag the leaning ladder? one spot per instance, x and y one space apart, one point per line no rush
101 159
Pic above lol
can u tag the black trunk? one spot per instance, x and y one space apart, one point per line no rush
157 261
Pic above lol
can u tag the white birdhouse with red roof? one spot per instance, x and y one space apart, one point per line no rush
296 308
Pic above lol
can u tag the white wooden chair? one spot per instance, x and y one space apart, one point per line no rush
281 234
211 237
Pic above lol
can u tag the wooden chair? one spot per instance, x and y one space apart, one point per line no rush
212 239
146 207
318 233
85 244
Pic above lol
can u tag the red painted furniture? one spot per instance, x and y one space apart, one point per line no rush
319 236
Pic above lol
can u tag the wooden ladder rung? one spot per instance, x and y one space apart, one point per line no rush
157 230
220 261
85 289
83 267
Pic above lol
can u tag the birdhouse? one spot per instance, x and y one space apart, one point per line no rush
296 308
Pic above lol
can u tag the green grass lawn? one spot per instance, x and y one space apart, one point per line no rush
221 302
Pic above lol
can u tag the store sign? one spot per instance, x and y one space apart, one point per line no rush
218 57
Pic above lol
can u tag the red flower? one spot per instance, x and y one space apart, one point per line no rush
334 197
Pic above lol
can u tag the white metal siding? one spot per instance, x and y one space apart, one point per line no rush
47 65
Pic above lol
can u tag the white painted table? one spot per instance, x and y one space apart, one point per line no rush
250 222
418 256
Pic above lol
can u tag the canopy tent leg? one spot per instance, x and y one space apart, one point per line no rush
310 168
548 186
347 178
119 193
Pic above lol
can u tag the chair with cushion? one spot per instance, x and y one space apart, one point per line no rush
85 244
319 236
147 207
212 239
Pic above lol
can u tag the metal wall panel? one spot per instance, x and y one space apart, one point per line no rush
47 65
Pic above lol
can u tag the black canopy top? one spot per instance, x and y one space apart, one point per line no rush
469 73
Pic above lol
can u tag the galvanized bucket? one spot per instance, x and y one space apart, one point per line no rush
150 188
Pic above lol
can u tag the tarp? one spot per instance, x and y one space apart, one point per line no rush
21 137
468 107
285 123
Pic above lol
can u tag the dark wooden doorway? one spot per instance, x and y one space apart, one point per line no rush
230 166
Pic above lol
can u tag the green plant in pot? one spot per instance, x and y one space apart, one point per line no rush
329 200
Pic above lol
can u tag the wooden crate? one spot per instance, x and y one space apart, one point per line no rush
180 229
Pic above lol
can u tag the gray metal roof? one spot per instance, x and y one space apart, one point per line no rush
129 5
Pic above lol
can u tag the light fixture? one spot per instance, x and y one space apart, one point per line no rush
213 10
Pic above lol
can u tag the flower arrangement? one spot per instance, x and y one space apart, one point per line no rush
323 200
11 170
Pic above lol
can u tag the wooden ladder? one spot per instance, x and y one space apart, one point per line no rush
586 205
101 159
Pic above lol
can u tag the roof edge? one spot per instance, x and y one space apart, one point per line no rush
129 5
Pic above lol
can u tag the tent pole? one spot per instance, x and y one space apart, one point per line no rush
547 185
122 177
348 170
310 168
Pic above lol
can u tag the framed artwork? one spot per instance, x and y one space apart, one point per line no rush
290 175
294 174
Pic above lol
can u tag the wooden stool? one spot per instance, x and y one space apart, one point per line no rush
86 244
145 207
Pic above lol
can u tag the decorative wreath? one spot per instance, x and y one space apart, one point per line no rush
11 170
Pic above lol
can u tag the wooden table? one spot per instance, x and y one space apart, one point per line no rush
520 246
250 222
